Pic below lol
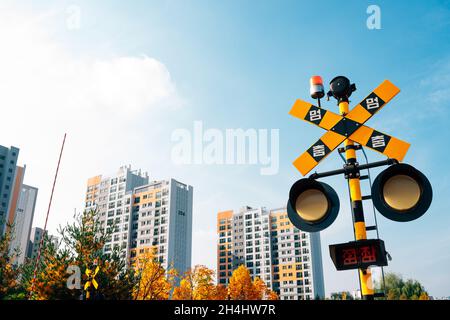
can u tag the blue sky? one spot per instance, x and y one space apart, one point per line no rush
242 64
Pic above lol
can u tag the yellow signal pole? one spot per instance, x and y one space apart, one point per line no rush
365 275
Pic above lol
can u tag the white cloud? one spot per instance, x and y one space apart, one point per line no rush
46 90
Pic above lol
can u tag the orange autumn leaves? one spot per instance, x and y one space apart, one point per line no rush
153 283
196 284
242 287
81 246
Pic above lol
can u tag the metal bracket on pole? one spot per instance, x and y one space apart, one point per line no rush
350 169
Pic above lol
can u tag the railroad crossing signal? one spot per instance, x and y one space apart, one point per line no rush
350 126
400 193
358 254
91 280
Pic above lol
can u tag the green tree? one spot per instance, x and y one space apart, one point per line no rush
399 289
343 295
82 244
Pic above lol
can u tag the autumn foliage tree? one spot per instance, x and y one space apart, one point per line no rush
242 287
220 292
196 284
8 271
82 244
154 283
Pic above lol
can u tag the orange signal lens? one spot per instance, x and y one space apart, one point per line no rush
316 80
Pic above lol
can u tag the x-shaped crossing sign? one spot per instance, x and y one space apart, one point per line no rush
91 278
348 126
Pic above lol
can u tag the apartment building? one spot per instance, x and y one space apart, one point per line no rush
17 203
288 260
8 161
162 222
145 216
111 196
23 219
36 235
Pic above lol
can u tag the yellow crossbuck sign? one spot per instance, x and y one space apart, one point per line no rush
91 278
348 126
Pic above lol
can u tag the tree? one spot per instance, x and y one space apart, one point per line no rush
398 289
196 284
424 296
82 245
51 276
343 295
262 292
220 292
153 283
242 287
9 272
